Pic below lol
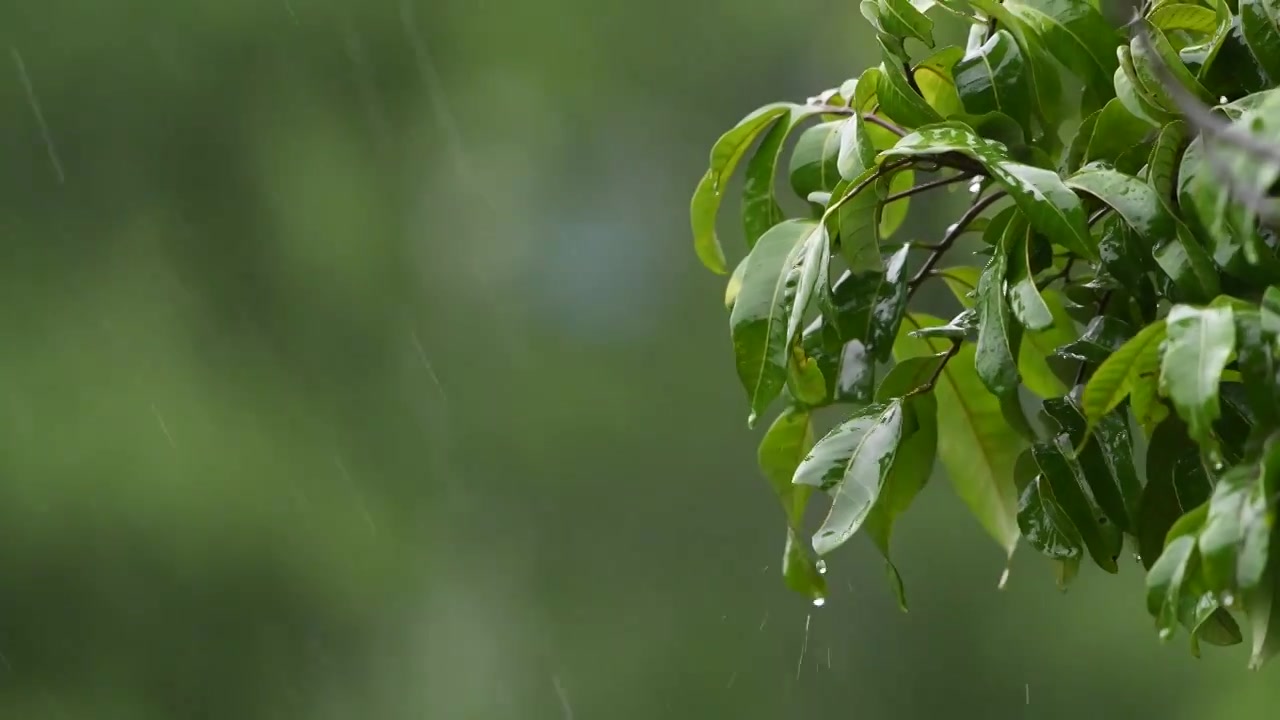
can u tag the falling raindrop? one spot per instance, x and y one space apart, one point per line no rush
821 565
1222 99
1228 599
819 601
1004 579
975 187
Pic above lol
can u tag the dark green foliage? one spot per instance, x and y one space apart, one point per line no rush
1130 241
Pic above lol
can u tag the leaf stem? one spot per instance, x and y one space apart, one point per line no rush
925 187
949 239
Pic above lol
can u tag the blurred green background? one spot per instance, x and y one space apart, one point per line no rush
357 364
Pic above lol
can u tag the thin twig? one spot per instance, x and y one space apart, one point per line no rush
937 373
950 238
880 172
877 120
925 187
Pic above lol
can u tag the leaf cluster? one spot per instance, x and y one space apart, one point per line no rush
1111 374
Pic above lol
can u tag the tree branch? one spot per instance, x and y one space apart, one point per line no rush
949 239
925 187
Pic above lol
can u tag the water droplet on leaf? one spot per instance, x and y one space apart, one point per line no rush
821 565
819 601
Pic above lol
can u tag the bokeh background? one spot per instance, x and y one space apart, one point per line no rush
356 363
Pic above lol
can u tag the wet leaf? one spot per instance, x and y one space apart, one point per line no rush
760 316
760 209
853 460
1038 346
898 101
1045 524
1175 249
1200 343
975 443
725 155
1049 206
991 78
814 160
1077 35
1066 478
1135 362
1260 23
783 447
1105 454
999 334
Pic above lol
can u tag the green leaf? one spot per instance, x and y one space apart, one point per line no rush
893 214
900 19
1039 345
1102 336
814 160
975 442
1162 166
1123 370
1177 483
853 459
857 152
898 101
870 305
1051 208
1235 541
725 155
1130 91
1170 17
760 209
1260 22
1042 74
1066 478
1105 454
1174 248
992 78
1144 61
913 463
1045 524
1076 34
758 322
934 77
1164 583
1025 300
1116 130
855 223
1258 362
1201 342
783 447
999 335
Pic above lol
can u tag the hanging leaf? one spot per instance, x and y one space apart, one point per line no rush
1041 72
1038 346
1201 342
901 19
1066 478
934 77
784 445
1105 454
992 78
760 209
725 155
1045 524
1260 22
999 334
853 460
898 100
759 319
1115 131
1143 63
1103 336
975 443
1077 35
814 160
1135 362
915 458
1170 17
1172 244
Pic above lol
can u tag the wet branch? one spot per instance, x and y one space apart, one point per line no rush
949 239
